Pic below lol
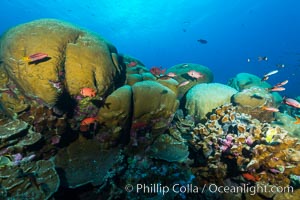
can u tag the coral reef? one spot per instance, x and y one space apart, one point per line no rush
233 145
77 117
204 97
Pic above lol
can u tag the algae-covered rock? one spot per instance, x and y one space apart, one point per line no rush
245 80
35 180
153 103
76 59
204 97
114 116
181 75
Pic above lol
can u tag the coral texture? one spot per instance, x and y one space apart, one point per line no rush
202 98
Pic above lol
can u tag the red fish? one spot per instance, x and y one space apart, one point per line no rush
35 57
139 125
132 64
157 71
88 92
84 125
250 177
194 74
291 102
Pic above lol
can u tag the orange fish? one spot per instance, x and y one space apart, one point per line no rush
35 57
276 89
281 84
84 125
271 109
250 177
88 92
297 120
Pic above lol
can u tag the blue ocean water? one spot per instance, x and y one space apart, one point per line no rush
165 33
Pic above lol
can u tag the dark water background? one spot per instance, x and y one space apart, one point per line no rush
165 33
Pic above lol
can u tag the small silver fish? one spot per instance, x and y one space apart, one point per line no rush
271 73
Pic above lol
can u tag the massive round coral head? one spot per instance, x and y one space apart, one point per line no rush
76 58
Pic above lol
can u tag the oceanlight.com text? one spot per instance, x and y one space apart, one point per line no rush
212 188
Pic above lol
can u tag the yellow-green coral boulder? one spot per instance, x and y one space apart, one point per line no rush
203 98
252 101
75 59
245 80
153 104
115 115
